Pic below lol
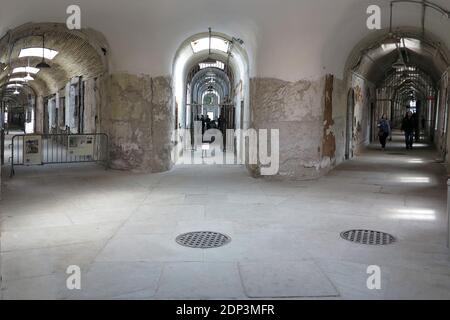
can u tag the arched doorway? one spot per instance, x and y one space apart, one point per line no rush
63 94
50 80
211 97
394 72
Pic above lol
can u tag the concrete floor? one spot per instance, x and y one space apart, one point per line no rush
120 227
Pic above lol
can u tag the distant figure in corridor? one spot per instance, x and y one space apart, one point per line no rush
409 127
384 131
208 122
202 119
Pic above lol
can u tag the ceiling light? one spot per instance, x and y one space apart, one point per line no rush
16 92
43 64
26 70
48 54
28 78
399 64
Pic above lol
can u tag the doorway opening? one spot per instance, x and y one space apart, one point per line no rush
211 99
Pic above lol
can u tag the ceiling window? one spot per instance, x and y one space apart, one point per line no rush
17 80
26 70
402 43
38 52
216 44
217 64
14 85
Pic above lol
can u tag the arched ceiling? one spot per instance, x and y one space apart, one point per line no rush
285 39
374 56
20 99
202 81
77 55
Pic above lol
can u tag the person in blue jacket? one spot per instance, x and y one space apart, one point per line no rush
384 131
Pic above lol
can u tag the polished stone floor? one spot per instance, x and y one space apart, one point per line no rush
120 229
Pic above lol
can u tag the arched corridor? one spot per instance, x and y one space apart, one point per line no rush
239 151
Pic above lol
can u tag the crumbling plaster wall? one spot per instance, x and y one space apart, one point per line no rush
364 93
441 134
339 118
297 110
39 115
138 119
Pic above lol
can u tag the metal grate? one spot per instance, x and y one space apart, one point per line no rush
368 237
203 239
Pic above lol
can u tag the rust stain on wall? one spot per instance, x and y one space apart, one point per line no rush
359 98
329 140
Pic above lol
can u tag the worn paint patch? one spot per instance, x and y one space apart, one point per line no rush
329 140
139 122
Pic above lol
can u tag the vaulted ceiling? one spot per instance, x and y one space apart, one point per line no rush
79 55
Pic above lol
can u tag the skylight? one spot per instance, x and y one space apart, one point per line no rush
37 52
217 64
412 43
388 47
14 85
17 80
26 70
216 44
402 43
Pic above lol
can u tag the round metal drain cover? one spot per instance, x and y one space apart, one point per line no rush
368 237
203 239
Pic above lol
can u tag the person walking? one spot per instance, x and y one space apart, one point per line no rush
409 127
384 131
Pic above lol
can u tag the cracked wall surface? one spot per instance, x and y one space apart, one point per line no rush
310 115
297 110
364 93
138 121
339 118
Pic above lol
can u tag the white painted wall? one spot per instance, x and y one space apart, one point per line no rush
286 39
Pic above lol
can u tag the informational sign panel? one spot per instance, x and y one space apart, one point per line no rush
32 150
82 145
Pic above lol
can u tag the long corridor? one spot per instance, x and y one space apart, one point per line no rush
120 229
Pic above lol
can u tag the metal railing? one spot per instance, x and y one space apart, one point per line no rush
59 149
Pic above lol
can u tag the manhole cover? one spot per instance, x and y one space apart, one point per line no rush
369 237
203 239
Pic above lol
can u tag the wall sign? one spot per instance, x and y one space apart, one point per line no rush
82 145
32 150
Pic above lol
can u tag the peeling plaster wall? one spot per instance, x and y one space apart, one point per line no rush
39 116
90 106
440 135
139 121
364 91
297 110
340 118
